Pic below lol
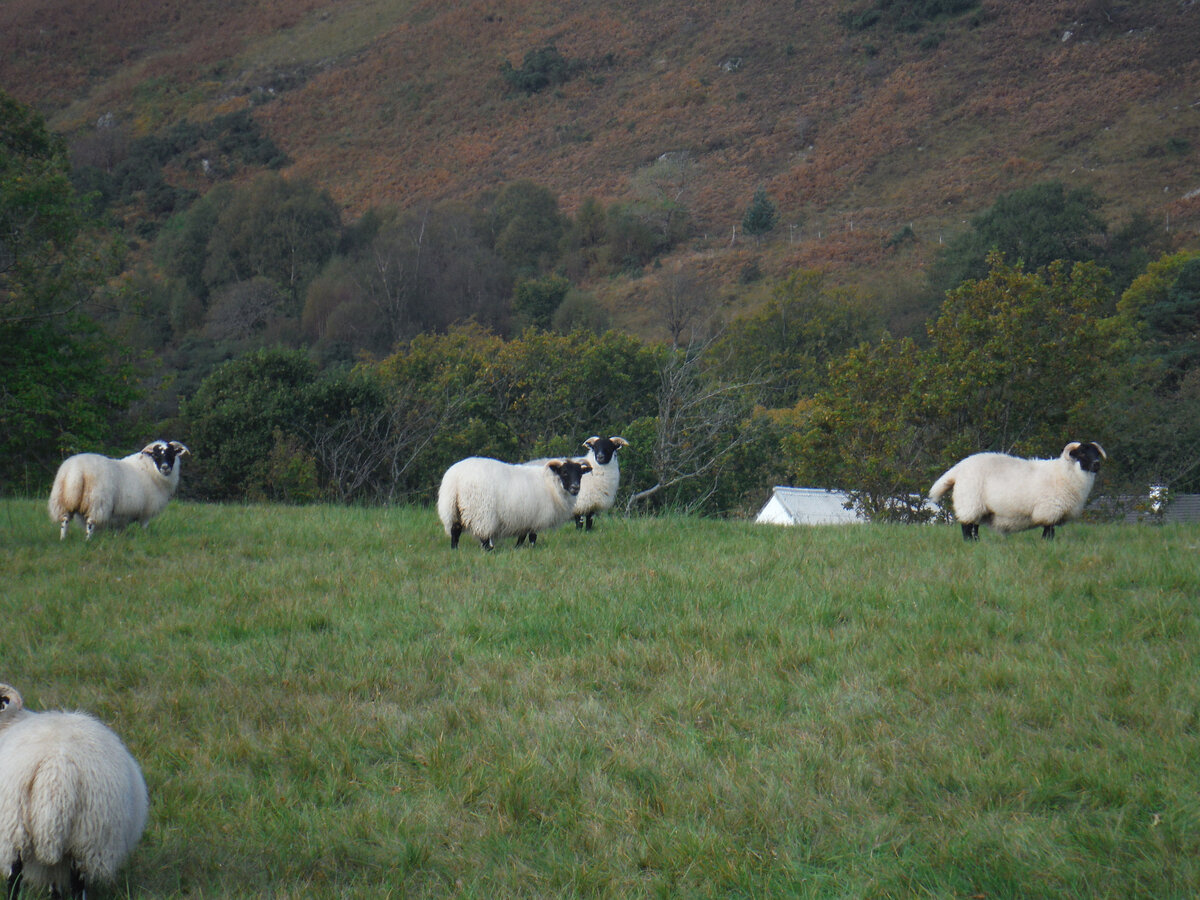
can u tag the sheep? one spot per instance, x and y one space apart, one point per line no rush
114 492
1012 494
73 802
491 499
598 491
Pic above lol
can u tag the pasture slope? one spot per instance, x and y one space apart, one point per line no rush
328 702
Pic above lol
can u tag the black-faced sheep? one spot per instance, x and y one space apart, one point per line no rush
114 492
1011 494
73 802
491 499
598 491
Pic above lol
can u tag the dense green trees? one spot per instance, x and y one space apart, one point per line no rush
410 338
63 385
1017 362
1040 224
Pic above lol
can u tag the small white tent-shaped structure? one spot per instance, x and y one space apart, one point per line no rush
807 506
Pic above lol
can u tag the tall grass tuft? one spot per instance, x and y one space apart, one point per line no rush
330 702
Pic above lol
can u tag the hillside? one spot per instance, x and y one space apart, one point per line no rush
854 132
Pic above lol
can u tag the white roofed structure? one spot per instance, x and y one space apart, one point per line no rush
807 506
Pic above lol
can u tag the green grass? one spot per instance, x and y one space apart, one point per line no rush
329 702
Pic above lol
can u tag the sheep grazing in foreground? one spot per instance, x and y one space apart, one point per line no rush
73 802
491 499
599 489
1012 494
114 492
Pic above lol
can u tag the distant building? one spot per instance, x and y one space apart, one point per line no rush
807 506
1164 508
1183 508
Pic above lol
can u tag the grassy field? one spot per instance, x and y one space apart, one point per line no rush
328 702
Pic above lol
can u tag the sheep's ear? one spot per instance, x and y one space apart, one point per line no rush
10 698
619 441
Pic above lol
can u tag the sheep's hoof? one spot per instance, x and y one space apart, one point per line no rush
589 523
487 544
14 878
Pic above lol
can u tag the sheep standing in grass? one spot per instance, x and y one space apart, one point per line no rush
491 500
73 802
114 492
598 491
1012 494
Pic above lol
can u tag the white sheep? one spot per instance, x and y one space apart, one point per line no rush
1012 494
73 802
598 491
114 492
491 499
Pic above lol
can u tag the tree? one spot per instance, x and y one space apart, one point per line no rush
537 299
1015 362
1033 226
682 301
273 228
702 423
541 68
414 271
1164 406
243 410
527 227
789 343
64 384
761 216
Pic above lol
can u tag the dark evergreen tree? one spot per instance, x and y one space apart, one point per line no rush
761 216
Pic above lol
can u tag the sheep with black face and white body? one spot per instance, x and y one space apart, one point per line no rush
490 499
599 489
107 492
73 803
1012 494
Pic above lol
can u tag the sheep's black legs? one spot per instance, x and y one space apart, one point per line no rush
578 523
589 522
455 533
970 531
14 880
1047 532
78 888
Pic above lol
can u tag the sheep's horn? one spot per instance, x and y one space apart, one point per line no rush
181 449
619 441
1103 455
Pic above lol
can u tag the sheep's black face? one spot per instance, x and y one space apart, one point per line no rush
603 449
570 473
1088 456
164 456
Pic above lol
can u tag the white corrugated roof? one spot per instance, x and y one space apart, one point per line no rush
807 506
